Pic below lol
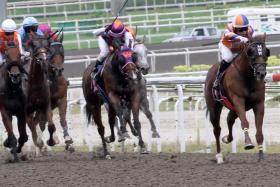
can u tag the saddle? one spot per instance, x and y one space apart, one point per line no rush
219 95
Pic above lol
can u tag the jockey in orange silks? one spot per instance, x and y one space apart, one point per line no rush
236 34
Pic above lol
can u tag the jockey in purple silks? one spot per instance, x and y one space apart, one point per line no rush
116 30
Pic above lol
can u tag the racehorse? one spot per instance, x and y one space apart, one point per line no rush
58 91
144 107
142 63
38 106
244 87
121 84
13 96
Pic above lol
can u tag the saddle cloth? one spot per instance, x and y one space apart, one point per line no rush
219 95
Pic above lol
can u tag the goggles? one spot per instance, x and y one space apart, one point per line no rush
241 29
31 28
9 33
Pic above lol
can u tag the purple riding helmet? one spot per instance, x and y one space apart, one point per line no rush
117 30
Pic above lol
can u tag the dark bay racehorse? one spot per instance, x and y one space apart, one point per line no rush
144 106
58 91
244 86
13 96
38 107
121 84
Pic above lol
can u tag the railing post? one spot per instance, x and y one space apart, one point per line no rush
187 57
181 119
156 116
212 17
153 61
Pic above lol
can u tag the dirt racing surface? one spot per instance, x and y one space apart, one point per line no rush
132 169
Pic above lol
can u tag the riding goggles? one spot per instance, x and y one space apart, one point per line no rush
241 29
9 33
31 28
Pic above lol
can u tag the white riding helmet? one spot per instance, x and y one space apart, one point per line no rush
9 25
29 21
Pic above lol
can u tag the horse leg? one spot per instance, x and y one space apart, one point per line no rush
112 122
230 121
22 132
259 113
62 107
101 130
240 110
136 122
36 131
11 141
119 112
144 106
52 130
127 119
215 113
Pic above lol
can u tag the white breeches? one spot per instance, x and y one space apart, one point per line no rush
104 49
226 54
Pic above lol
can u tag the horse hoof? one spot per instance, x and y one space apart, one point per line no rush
50 142
121 139
155 135
68 140
143 151
108 139
219 158
225 140
23 157
70 148
6 143
249 146
125 135
108 157
134 133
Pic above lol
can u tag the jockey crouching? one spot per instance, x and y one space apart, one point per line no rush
232 43
8 33
29 29
105 43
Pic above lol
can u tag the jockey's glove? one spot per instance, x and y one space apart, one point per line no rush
243 39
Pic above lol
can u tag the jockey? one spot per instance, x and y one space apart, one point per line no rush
235 36
8 33
29 28
116 30
47 31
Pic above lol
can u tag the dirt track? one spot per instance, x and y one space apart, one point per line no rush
131 169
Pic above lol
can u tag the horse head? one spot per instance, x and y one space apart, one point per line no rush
13 59
56 59
124 61
141 51
258 54
39 49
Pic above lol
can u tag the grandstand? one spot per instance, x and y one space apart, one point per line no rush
157 19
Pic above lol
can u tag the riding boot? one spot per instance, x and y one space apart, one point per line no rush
96 75
223 66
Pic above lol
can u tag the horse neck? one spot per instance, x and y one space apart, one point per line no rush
37 73
242 63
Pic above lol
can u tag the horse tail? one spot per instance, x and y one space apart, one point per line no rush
88 112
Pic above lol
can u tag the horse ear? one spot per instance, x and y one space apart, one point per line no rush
144 39
267 51
61 38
